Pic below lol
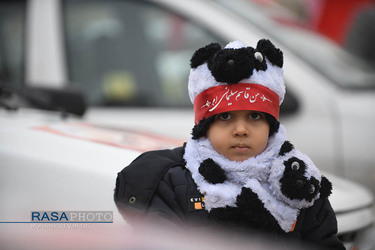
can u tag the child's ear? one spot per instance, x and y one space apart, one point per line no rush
273 54
203 54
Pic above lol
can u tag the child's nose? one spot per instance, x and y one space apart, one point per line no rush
240 128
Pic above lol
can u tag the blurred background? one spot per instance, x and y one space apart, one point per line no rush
114 73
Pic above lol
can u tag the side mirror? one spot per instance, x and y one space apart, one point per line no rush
290 104
69 100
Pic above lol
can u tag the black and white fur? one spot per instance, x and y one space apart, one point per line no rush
269 186
266 191
213 65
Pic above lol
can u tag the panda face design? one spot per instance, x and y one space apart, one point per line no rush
294 183
231 65
295 180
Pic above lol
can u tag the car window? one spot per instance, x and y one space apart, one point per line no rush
12 37
331 60
130 52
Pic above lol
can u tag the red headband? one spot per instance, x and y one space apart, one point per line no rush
240 96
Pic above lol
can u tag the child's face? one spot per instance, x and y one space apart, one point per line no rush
240 134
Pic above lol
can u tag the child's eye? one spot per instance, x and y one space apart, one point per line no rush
255 116
224 116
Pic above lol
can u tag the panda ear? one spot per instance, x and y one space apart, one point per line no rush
203 54
274 55
286 148
325 187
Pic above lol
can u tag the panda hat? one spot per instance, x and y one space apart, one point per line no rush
236 78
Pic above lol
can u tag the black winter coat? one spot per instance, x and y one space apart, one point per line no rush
158 183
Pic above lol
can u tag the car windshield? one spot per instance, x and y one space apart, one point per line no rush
323 55
130 53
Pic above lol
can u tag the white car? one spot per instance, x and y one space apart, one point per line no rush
129 56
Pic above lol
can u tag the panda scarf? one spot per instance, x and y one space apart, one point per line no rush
264 175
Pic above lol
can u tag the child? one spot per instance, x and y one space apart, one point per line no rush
238 169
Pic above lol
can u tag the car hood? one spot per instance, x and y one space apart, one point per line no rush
47 171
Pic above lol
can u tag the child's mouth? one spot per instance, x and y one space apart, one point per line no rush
241 148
